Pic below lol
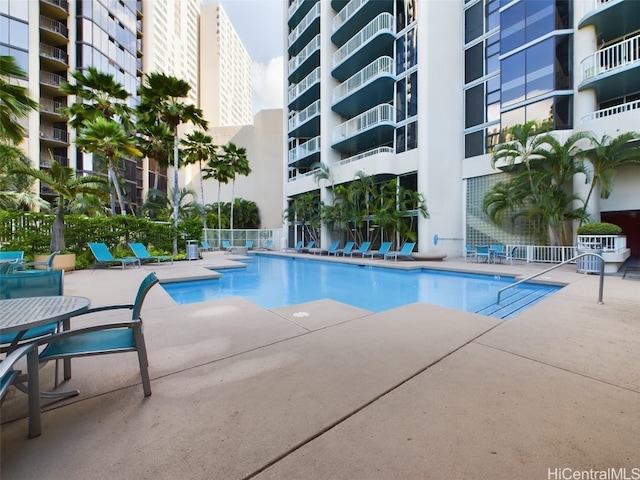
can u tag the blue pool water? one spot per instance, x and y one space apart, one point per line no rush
276 281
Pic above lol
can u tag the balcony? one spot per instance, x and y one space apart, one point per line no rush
355 16
375 40
611 18
612 111
373 128
51 107
369 87
53 31
305 92
139 8
613 71
51 80
58 9
53 135
56 57
307 122
308 28
308 59
306 154
45 160
298 9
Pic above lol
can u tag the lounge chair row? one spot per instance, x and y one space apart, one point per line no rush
364 250
104 257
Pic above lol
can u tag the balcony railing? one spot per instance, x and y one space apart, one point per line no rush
311 47
609 243
53 26
54 53
58 3
611 58
382 22
377 67
52 79
384 113
53 133
304 23
51 106
297 89
294 6
346 13
45 160
608 112
590 5
311 111
304 150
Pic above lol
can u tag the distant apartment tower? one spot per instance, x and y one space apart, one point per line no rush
225 71
421 91
51 38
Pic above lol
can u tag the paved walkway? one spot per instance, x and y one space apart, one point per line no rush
412 393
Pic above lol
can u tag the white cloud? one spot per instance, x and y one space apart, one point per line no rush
268 84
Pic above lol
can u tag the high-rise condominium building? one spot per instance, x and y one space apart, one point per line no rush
51 38
225 71
421 91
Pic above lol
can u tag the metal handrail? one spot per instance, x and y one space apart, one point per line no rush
559 265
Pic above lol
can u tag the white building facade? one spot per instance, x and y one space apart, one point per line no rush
420 90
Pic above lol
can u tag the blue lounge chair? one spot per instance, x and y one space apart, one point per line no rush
227 247
11 255
104 256
509 254
344 251
297 247
384 248
404 252
362 250
266 246
141 252
332 249
204 245
248 244
307 248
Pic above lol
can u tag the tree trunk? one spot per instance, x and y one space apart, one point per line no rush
233 193
116 186
202 212
57 231
176 193
112 198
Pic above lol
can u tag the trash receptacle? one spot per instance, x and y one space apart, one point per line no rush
192 250
589 263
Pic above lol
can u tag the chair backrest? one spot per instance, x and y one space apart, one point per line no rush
482 250
225 244
268 244
333 247
101 251
298 245
49 265
385 247
407 248
144 288
248 243
310 244
10 256
139 250
468 248
41 283
364 247
205 244
6 266
348 247
498 248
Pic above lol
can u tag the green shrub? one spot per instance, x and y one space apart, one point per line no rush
599 228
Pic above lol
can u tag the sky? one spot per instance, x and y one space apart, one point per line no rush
260 24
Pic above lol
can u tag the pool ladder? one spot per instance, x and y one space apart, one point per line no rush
601 288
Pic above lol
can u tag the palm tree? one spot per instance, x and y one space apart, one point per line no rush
161 102
64 183
106 138
198 149
14 100
15 189
219 170
156 143
606 156
100 98
238 163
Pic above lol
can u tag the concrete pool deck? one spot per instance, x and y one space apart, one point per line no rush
328 391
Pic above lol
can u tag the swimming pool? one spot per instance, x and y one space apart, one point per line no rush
273 282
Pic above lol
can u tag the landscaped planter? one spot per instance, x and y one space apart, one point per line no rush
66 261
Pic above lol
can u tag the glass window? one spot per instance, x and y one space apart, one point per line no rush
474 106
512 27
22 58
512 117
412 48
19 33
473 60
473 22
4 30
19 10
412 135
4 6
541 111
400 140
493 54
563 63
412 94
401 97
512 74
540 18
540 76
562 113
473 144
493 15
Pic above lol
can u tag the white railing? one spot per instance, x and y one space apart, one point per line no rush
346 13
611 58
311 47
53 52
384 113
377 26
304 23
306 83
53 25
615 110
380 66
590 5
368 153
294 6
303 116
304 150
51 106
609 243
239 237
52 79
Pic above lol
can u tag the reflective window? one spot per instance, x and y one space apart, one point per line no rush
540 18
19 9
513 78
400 140
401 95
512 27
4 30
412 135
412 95
473 62
474 106
473 22
474 144
19 34
539 68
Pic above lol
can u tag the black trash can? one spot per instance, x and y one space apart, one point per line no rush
589 263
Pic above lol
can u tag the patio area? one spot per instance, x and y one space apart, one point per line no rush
324 390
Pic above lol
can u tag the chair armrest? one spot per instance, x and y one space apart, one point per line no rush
106 307
93 328
10 360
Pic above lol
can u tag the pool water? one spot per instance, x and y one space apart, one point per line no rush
272 282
